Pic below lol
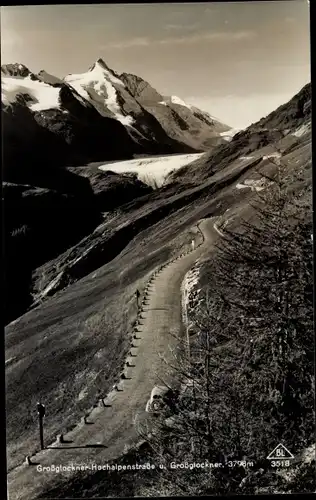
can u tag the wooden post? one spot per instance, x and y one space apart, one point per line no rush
41 414
137 293
40 419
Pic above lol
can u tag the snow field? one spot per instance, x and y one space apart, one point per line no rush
152 170
44 96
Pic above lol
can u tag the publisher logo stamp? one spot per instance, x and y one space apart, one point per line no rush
280 452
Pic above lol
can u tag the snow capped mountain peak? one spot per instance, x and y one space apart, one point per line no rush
99 62
98 85
103 65
101 70
153 122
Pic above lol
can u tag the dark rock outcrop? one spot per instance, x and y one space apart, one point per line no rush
48 78
42 222
16 70
39 224
181 122
111 190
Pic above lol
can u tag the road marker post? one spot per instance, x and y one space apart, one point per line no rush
137 294
41 415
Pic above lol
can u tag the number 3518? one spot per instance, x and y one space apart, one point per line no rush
280 463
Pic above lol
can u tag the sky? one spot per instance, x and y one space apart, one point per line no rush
238 60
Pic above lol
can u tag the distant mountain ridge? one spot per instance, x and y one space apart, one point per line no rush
94 116
291 120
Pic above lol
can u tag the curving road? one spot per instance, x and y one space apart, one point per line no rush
109 429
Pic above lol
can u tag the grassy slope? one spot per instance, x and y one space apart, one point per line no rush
140 483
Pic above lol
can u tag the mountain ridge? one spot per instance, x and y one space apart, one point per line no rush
146 129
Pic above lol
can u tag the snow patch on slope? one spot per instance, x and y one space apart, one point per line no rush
246 157
51 285
101 81
152 170
254 185
9 360
43 96
229 134
83 254
176 100
274 156
302 130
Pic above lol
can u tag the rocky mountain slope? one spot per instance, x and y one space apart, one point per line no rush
144 112
181 120
290 121
249 151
